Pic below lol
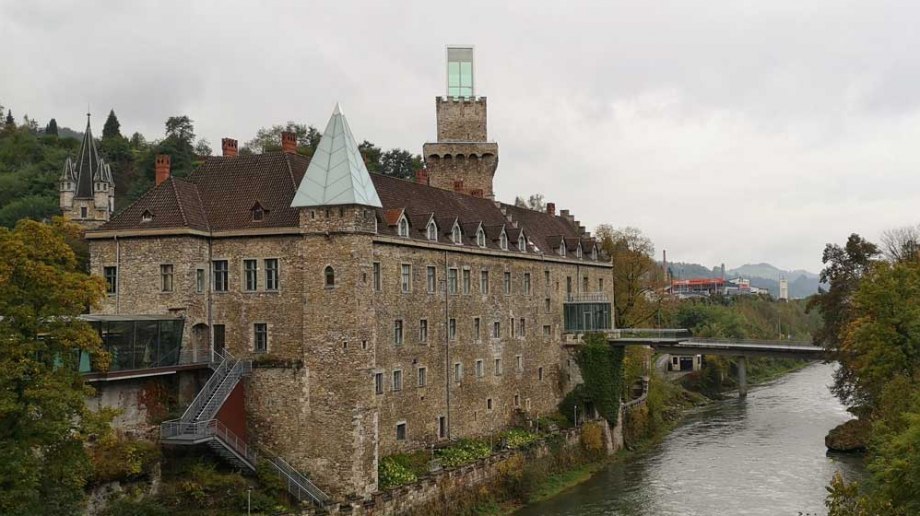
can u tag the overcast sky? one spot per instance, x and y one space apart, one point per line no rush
728 131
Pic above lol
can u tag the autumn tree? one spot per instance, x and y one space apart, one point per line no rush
636 276
844 268
44 421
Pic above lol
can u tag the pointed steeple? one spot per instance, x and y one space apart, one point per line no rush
336 174
88 164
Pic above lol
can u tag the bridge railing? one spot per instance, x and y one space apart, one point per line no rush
754 342
650 333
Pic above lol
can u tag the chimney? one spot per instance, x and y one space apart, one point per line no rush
421 176
162 168
289 142
551 208
458 185
228 145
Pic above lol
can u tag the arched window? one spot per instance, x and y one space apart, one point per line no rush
403 227
432 231
578 251
503 241
522 243
481 238
594 253
562 248
456 234
329 274
146 216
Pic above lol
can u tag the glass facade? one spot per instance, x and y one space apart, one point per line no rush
586 317
138 344
460 72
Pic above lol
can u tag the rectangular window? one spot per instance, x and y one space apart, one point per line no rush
398 332
432 277
250 275
489 404
260 331
272 277
547 306
507 282
166 277
423 330
199 280
466 281
458 372
406 278
511 326
496 330
221 275
568 284
397 380
452 281
519 363
452 329
600 284
526 283
547 330
376 277
111 279
584 284
220 338
517 401
522 327
378 383
540 373
401 432
442 427
422 376
484 282
480 370
477 328
498 367
546 279
83 212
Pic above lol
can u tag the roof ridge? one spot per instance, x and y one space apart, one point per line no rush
201 210
178 201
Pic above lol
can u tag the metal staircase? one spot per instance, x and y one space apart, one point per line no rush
198 425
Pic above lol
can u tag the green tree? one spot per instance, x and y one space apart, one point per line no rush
180 129
400 163
51 129
269 139
112 128
371 154
844 268
10 121
203 148
44 421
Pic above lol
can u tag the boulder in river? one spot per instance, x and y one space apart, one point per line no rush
851 436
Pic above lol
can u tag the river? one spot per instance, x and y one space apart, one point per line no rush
761 455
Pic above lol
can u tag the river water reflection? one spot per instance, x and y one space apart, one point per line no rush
763 455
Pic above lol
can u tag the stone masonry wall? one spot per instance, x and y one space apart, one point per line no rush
461 119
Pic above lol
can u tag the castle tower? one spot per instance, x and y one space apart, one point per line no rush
462 159
86 186
783 289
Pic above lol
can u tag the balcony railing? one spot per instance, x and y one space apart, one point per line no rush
587 297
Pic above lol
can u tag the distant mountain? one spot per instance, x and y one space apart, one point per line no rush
802 283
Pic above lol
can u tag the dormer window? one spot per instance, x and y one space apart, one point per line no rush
456 235
594 253
258 213
432 231
522 243
562 248
146 216
578 251
481 238
402 227
503 241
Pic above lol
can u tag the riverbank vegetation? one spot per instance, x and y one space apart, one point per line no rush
871 318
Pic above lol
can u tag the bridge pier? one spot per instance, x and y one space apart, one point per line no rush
742 377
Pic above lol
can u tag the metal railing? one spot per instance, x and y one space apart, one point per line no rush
197 406
587 297
207 429
753 342
297 484
650 333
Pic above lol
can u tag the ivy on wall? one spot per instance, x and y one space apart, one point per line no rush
602 371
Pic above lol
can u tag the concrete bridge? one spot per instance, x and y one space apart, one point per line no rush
679 342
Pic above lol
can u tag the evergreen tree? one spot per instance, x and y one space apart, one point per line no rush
112 127
10 121
51 129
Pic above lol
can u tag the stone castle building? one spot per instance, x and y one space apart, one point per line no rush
86 187
381 315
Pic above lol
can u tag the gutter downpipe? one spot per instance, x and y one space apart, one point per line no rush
208 286
447 340
117 274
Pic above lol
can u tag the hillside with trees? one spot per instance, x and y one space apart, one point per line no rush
32 157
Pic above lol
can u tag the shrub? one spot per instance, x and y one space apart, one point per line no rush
126 506
518 438
391 473
465 451
592 437
116 458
